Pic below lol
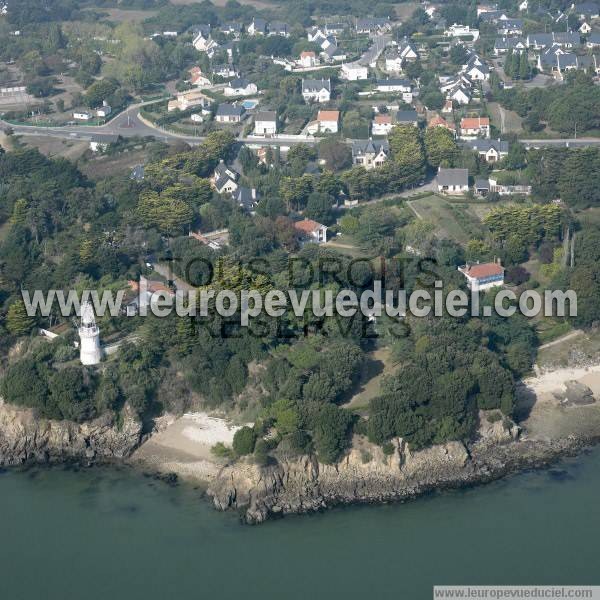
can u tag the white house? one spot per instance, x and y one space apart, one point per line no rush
382 124
308 59
311 230
403 86
407 50
328 120
198 78
228 113
456 30
354 72
257 27
453 181
224 179
240 87
265 123
104 111
483 276
393 62
474 127
189 99
82 116
204 43
316 90
491 150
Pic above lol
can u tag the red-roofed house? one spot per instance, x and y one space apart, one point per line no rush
312 231
382 124
438 121
483 276
474 127
308 59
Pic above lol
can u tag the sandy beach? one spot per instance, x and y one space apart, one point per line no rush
183 445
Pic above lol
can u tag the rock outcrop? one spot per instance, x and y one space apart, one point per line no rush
28 439
367 475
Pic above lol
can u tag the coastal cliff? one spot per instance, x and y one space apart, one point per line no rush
367 475
27 439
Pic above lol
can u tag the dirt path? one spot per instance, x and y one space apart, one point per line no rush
561 339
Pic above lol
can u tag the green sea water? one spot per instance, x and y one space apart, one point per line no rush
114 534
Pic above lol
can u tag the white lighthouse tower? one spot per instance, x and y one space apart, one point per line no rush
90 352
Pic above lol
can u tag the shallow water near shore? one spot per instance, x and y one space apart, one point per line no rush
112 533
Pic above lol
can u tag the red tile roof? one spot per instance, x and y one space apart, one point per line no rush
483 270
328 115
474 122
307 225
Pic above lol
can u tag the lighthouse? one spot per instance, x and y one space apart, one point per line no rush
90 352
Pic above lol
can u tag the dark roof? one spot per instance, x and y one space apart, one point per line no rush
394 81
315 85
137 173
203 28
266 115
482 184
230 110
245 197
485 145
406 116
360 147
238 82
453 177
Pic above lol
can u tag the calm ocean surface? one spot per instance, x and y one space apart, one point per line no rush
113 534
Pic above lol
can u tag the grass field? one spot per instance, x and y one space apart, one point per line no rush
455 221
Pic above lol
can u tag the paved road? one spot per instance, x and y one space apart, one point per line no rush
568 142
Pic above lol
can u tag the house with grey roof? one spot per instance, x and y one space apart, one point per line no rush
370 154
246 198
453 181
592 40
587 10
504 44
406 117
316 90
257 27
229 113
491 150
278 28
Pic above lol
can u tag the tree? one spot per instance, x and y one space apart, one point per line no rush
244 441
295 191
440 146
330 426
336 155
408 154
319 207
18 322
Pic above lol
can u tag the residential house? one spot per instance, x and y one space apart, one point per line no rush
203 28
555 60
459 31
370 153
508 189
225 71
476 69
328 121
278 28
308 59
311 231
198 78
564 39
474 127
510 26
104 111
382 124
257 27
354 72
393 61
491 150
334 28
586 10
524 5
316 90
333 54
483 276
314 34
504 44
482 187
240 87
204 43
82 116
232 28
229 113
99 143
407 50
460 94
404 86
453 181
370 25
585 28
406 117
189 99
265 123
438 121
448 108
593 40
246 198
224 179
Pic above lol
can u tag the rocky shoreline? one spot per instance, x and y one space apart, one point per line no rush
27 439
295 485
303 485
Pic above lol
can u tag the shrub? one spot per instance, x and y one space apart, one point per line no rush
244 441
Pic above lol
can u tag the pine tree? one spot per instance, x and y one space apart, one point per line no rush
508 64
18 322
523 66
19 213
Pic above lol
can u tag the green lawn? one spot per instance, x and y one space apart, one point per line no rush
455 221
